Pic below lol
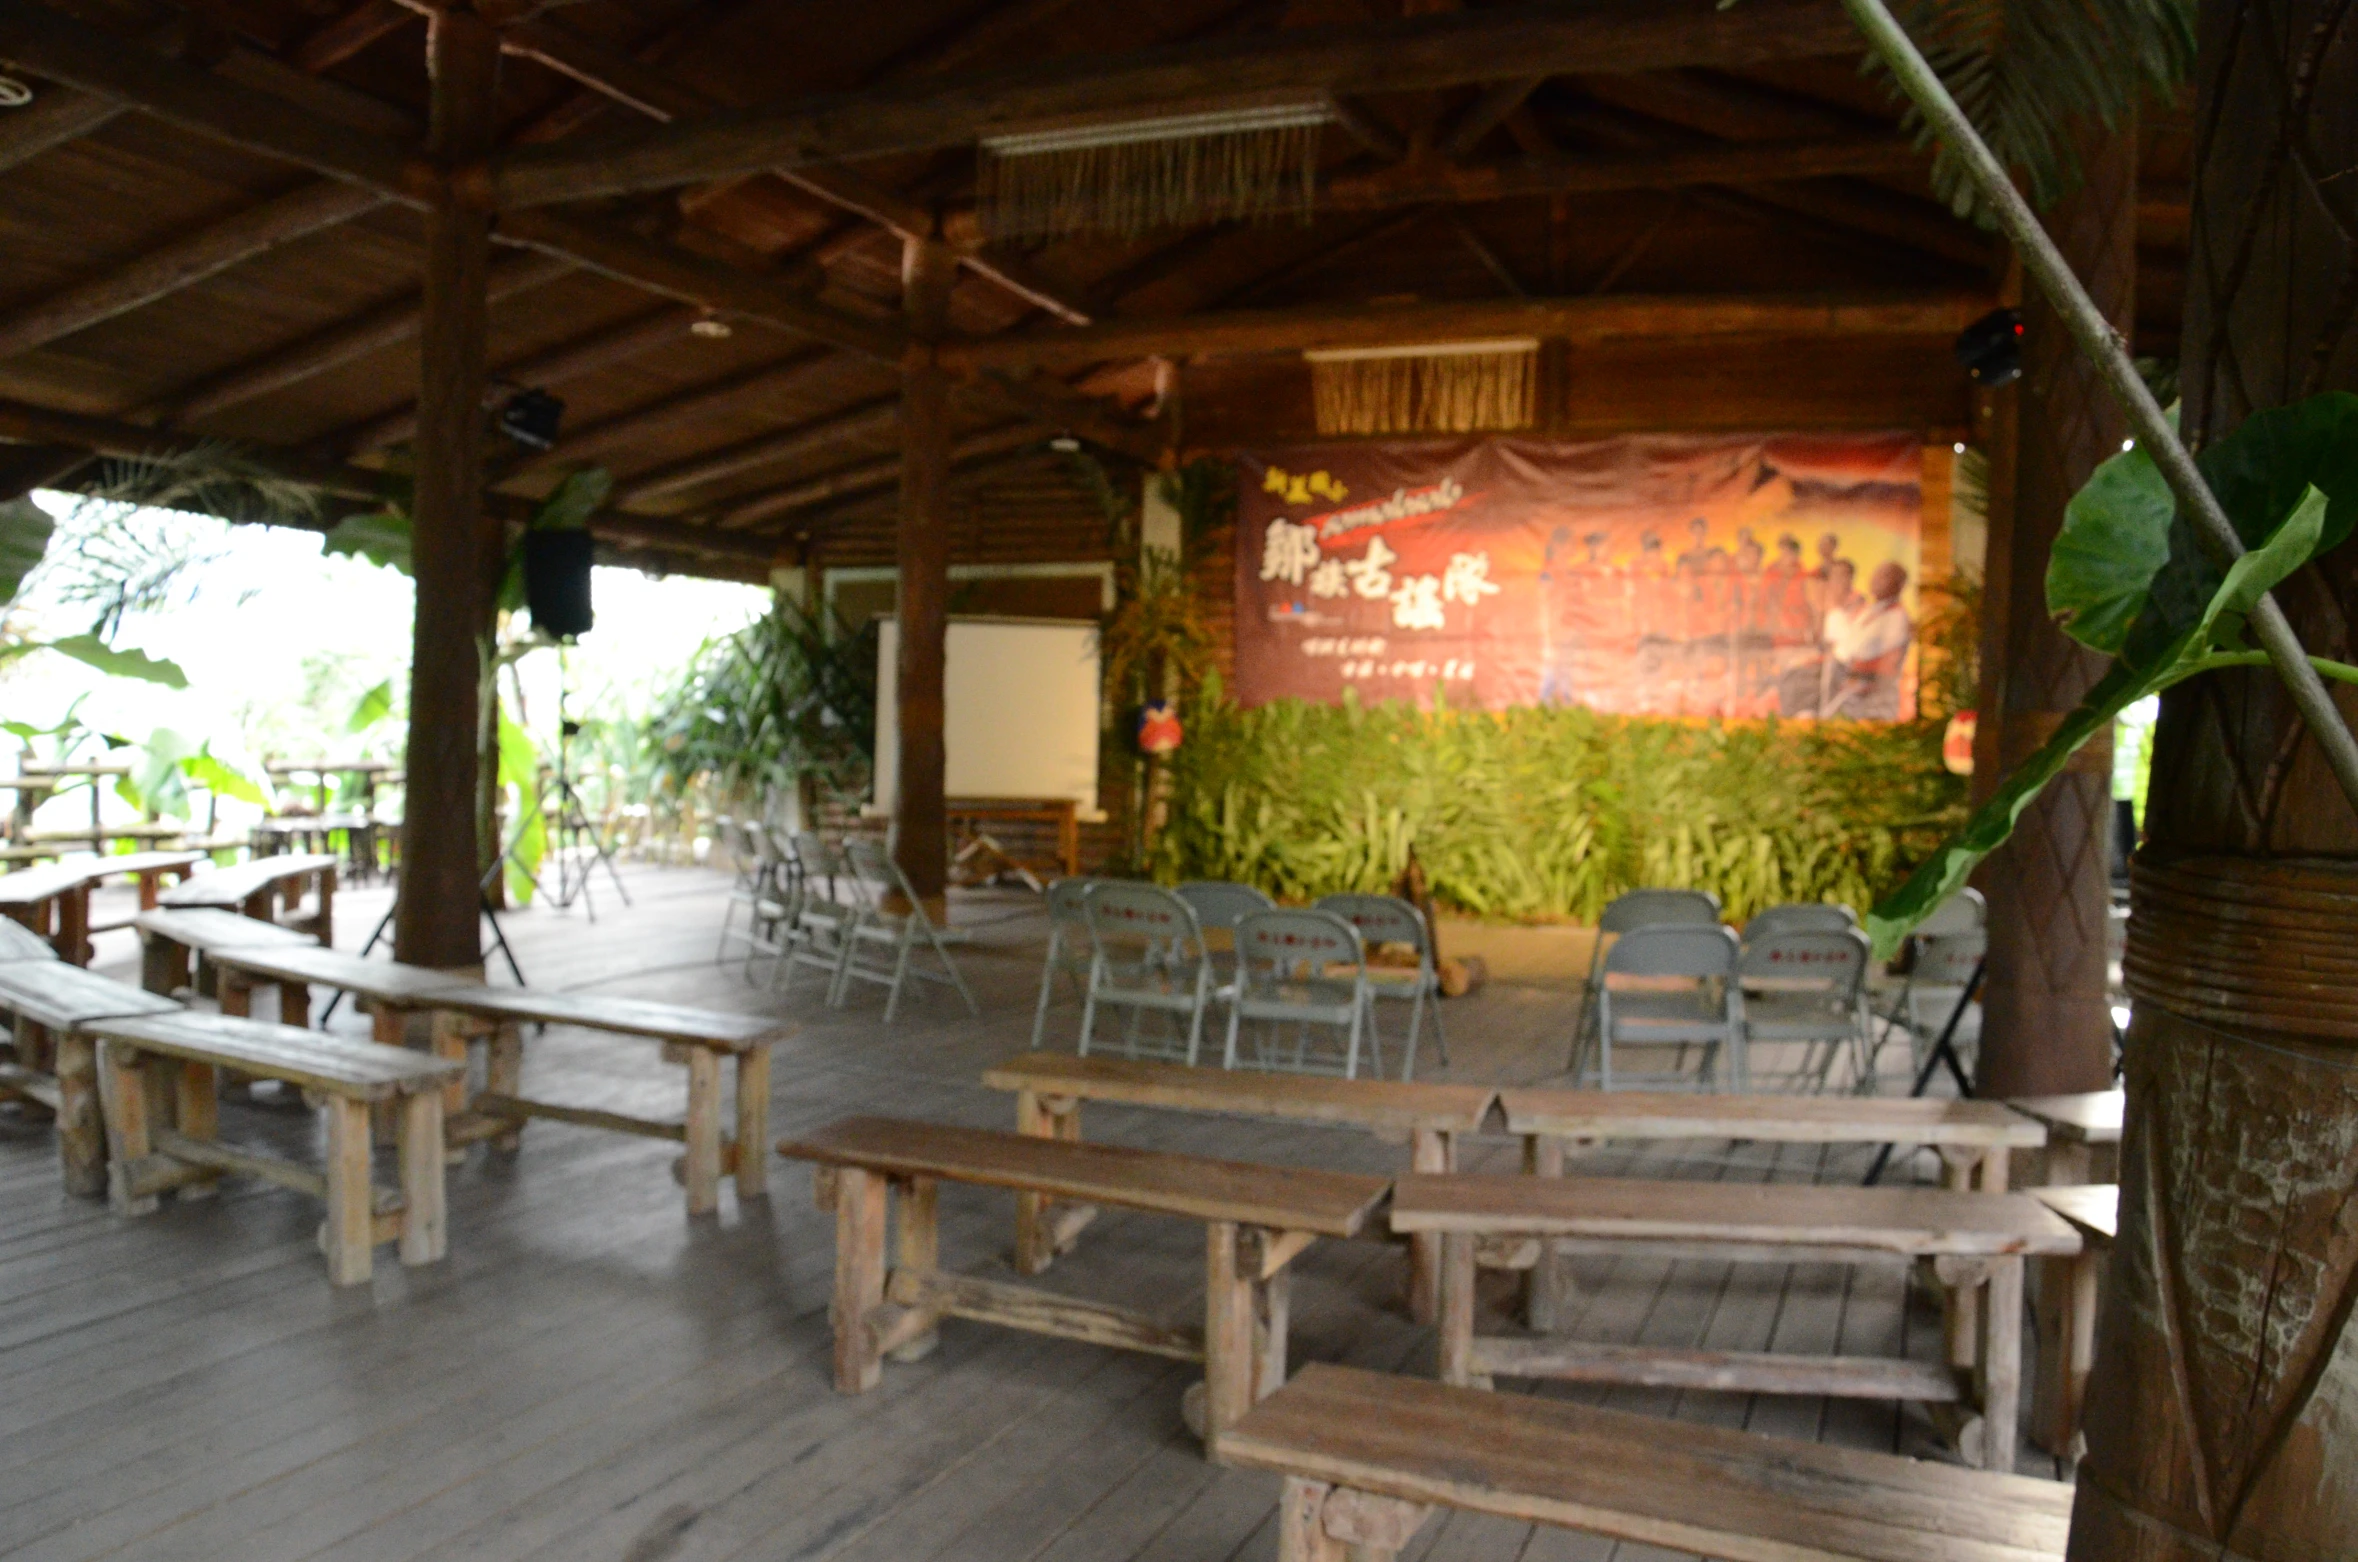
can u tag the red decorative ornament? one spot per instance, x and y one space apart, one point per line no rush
1956 744
1158 728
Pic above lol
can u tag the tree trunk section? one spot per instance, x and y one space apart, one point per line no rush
2047 1027
921 836
436 922
2223 1409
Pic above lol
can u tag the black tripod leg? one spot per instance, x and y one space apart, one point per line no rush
1944 1050
499 941
375 936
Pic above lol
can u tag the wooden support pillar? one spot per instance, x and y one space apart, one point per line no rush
2222 1410
2047 1027
437 920
921 838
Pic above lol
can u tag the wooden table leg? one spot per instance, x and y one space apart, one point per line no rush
1228 1334
351 1240
503 1074
1457 1308
1301 1523
1428 1152
73 925
123 1088
917 1248
1543 1156
859 1275
237 994
2001 1365
81 1131
1033 1253
425 1233
704 1131
327 907
2065 1310
448 1039
2069 1163
753 1123
163 964
1273 1309
1960 1305
294 1004
196 1112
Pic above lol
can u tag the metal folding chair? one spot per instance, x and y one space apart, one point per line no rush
1146 956
1626 913
891 918
1939 972
1303 969
748 890
824 914
1387 919
1707 1012
1808 988
1068 946
1809 916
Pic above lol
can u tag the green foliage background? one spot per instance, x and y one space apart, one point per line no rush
1548 813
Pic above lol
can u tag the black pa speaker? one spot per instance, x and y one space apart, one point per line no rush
557 582
1990 349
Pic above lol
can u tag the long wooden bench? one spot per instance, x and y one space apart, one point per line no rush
698 1038
1367 1457
1257 1219
52 902
2083 1134
176 1057
1050 1087
171 941
1973 1239
2069 1295
1974 1139
19 942
261 887
54 1064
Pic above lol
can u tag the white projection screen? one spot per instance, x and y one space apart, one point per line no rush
1021 710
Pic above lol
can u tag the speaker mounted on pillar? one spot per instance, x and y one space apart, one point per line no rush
557 581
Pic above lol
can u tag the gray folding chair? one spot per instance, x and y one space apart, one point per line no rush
1808 988
1815 916
891 919
1068 946
1146 956
1941 968
1387 919
1219 905
749 888
1302 969
1627 912
824 914
1707 1011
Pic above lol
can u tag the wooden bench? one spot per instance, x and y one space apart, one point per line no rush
1975 1140
19 942
2081 1130
52 902
1367 1457
1257 1219
699 1038
1972 1239
175 1058
54 1064
2068 1298
170 940
260 887
1050 1087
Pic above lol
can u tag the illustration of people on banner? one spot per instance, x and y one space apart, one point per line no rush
1646 575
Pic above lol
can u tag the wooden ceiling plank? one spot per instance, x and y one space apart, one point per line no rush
183 261
1600 172
57 116
332 347
801 374
866 421
1413 54
1486 253
340 38
866 475
1689 317
42 41
1486 113
1375 134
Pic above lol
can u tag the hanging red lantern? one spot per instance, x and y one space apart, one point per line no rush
1158 728
1956 744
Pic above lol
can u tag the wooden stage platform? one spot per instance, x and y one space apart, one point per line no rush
593 1376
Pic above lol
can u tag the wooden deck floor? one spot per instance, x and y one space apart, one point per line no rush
592 1376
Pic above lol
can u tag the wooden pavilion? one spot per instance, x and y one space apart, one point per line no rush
744 243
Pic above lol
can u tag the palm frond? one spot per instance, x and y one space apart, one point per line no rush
2032 74
211 477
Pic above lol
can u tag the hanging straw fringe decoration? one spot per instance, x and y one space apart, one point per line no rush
1449 388
1132 178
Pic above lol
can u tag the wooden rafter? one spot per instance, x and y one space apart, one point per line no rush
800 373
341 37
865 476
1599 172
1415 54
1682 317
866 421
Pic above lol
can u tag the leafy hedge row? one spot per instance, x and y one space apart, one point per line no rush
1548 813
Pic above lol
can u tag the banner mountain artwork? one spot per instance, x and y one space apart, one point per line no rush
1742 576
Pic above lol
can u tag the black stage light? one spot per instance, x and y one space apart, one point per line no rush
1991 348
531 418
557 582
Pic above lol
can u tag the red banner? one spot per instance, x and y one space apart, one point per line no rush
1658 575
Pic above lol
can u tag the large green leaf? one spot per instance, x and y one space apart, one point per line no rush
519 767
2216 633
572 502
222 779
24 537
94 652
372 708
2115 539
382 538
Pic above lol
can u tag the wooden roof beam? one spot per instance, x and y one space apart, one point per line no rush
339 38
1597 172
866 475
1423 53
1679 317
803 373
1486 113
869 420
57 116
39 40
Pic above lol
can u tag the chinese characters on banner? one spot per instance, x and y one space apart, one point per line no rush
1647 575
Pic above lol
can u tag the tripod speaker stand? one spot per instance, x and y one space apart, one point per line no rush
576 846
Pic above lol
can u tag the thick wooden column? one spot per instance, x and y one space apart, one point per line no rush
2222 1412
436 923
2048 1027
920 821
